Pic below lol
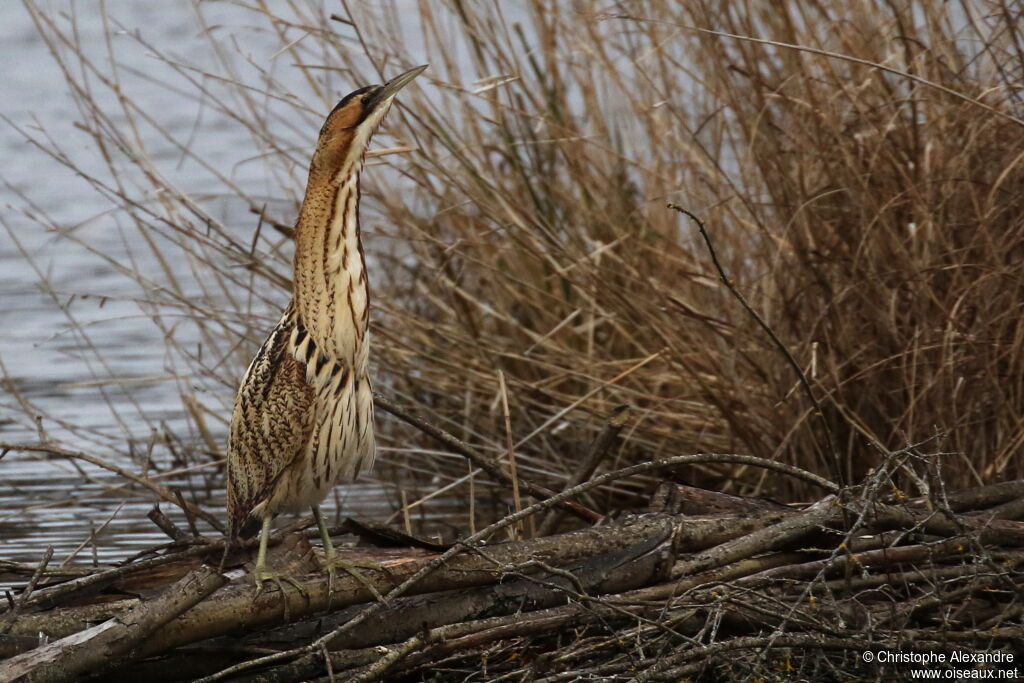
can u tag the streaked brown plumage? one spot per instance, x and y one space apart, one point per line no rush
303 416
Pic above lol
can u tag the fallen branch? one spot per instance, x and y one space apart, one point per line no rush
595 455
659 579
100 647
234 607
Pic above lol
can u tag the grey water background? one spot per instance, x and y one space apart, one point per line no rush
77 373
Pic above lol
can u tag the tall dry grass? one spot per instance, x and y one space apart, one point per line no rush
858 167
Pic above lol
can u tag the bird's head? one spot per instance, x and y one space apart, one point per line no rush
350 125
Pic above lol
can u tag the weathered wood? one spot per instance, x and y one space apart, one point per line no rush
101 646
793 527
980 496
643 563
598 449
672 498
613 574
437 624
235 608
1004 532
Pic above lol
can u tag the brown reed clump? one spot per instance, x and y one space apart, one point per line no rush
865 192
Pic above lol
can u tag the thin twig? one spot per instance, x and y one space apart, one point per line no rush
847 58
838 469
484 462
50 594
598 449
27 593
513 472
165 525
160 491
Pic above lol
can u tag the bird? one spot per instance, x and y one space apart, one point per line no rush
303 413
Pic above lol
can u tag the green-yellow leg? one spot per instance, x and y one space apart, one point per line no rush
261 573
331 560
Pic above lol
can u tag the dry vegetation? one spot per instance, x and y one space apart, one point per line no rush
859 169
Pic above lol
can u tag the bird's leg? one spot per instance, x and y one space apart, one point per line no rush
260 573
229 541
331 561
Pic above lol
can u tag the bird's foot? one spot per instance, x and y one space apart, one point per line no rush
352 569
261 576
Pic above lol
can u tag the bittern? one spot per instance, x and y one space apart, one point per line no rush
303 416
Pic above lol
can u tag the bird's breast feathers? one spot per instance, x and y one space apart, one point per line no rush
303 419
342 441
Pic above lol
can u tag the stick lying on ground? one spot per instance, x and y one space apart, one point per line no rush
662 578
97 648
234 606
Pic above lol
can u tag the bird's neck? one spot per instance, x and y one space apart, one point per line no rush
331 292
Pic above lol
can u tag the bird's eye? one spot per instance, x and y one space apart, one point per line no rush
364 99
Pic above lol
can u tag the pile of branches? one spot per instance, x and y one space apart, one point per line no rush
703 585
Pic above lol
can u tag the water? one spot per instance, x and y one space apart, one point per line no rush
76 372
74 344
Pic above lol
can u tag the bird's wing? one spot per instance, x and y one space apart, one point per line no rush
271 424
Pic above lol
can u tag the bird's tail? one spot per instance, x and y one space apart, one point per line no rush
246 530
238 532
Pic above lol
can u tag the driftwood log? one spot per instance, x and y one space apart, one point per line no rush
818 578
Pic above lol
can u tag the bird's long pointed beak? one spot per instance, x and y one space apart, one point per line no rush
389 89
